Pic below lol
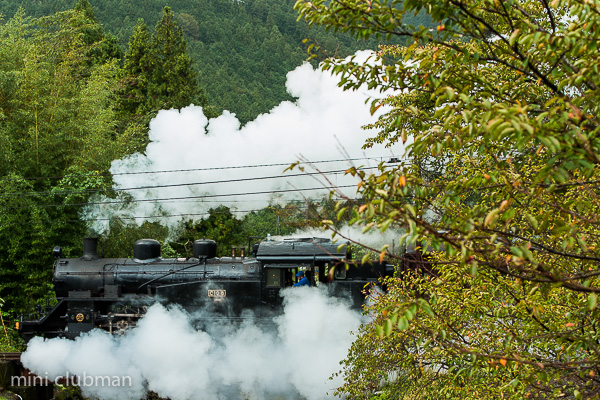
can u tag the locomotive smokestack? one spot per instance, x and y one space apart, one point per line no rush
90 249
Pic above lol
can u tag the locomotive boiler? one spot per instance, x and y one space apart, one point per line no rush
113 293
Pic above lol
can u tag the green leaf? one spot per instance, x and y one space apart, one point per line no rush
592 301
491 217
532 221
379 331
513 37
424 305
388 327
402 323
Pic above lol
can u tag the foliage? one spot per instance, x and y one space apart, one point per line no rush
56 127
10 343
53 105
68 392
23 273
157 73
220 225
272 220
118 240
173 81
9 339
189 25
505 96
103 47
223 226
136 71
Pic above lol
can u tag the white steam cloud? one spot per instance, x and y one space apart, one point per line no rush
293 357
218 160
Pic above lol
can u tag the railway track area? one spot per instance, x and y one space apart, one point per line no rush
10 356
18 383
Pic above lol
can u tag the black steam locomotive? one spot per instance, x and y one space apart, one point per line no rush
113 293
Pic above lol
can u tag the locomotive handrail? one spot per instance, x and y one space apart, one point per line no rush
300 258
10 356
171 273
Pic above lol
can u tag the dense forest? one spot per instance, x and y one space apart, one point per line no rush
242 50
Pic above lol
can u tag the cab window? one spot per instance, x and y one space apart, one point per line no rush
273 277
340 272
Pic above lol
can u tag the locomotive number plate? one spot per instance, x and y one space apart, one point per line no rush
217 293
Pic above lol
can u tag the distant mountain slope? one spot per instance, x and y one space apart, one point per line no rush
242 49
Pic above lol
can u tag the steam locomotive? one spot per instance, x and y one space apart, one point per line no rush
113 293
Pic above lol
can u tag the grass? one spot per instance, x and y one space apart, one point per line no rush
10 344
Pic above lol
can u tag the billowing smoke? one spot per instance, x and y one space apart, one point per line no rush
373 239
218 162
294 356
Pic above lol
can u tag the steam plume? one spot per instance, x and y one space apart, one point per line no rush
293 356
323 124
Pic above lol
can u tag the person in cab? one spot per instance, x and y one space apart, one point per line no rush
303 280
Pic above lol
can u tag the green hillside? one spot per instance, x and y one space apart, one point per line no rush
242 50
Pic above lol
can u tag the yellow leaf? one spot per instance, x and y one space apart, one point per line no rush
514 36
402 181
375 107
489 219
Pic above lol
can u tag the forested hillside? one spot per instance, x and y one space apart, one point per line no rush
242 50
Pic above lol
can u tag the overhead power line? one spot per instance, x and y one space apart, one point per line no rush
378 159
208 196
82 191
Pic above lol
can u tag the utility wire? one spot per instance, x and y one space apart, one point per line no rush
65 192
180 198
379 159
